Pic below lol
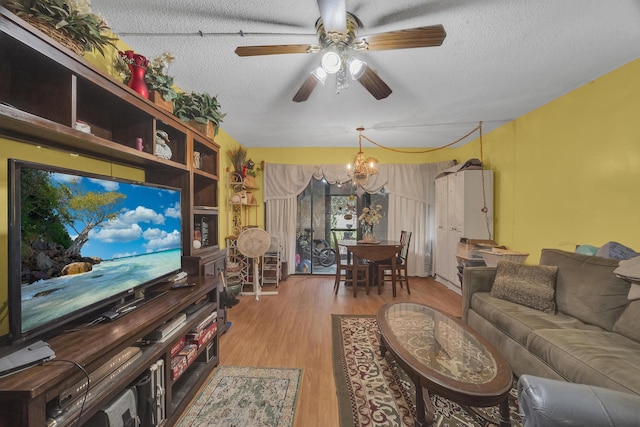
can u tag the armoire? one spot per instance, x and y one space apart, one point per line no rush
464 209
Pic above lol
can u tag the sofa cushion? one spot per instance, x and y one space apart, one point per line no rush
518 321
628 323
529 285
587 288
600 358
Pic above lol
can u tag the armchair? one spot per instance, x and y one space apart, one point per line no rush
554 403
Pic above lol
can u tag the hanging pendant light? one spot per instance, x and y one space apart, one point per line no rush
362 167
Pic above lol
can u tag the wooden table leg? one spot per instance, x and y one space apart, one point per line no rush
505 413
354 276
393 275
425 412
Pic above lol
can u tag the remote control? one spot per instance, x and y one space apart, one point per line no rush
182 285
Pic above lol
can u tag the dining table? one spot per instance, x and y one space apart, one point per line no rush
375 251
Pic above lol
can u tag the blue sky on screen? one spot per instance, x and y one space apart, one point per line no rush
148 220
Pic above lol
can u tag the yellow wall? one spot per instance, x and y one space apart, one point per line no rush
567 173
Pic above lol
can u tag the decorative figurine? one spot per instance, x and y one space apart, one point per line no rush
162 149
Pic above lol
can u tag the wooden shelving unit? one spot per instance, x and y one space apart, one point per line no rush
45 90
243 213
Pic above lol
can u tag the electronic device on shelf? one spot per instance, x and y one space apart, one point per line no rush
182 285
71 400
14 360
134 230
179 276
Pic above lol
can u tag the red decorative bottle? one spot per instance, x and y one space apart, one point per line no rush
137 82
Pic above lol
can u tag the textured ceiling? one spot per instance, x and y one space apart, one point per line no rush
500 59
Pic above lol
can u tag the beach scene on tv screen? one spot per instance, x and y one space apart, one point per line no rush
85 240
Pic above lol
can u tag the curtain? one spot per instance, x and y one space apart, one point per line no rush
282 184
410 188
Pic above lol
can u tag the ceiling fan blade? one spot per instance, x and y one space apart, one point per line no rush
334 15
374 84
306 89
402 39
277 49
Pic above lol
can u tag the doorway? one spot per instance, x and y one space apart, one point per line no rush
323 208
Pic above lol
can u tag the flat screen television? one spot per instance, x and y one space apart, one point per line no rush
80 242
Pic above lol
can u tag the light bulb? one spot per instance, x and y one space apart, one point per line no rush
331 62
356 67
319 74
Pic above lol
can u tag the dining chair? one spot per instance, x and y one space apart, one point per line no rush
384 268
344 269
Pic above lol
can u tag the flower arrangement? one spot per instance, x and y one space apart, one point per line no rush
156 76
129 57
72 18
371 215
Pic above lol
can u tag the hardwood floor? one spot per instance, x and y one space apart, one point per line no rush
293 330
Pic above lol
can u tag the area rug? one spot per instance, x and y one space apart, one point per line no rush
373 391
245 396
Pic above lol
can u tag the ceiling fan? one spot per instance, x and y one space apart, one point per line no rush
337 35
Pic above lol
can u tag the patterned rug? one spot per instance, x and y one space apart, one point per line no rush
244 396
373 391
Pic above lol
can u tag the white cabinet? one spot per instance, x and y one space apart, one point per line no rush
461 199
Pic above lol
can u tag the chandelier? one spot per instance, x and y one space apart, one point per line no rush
362 167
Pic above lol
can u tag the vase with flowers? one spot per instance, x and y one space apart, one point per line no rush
369 217
137 65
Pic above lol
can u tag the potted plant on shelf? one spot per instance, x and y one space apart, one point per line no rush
160 83
251 172
200 110
70 22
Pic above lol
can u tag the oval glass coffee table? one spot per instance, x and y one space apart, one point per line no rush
446 357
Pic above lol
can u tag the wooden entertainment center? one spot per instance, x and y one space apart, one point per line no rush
46 93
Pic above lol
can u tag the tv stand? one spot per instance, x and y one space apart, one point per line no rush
25 396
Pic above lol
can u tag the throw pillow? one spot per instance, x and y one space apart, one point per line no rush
587 287
530 285
627 324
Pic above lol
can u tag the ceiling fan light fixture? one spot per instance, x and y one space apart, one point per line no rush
356 67
331 62
319 74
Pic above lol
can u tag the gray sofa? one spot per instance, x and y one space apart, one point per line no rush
592 337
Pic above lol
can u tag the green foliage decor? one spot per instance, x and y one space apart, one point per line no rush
157 78
70 17
200 107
